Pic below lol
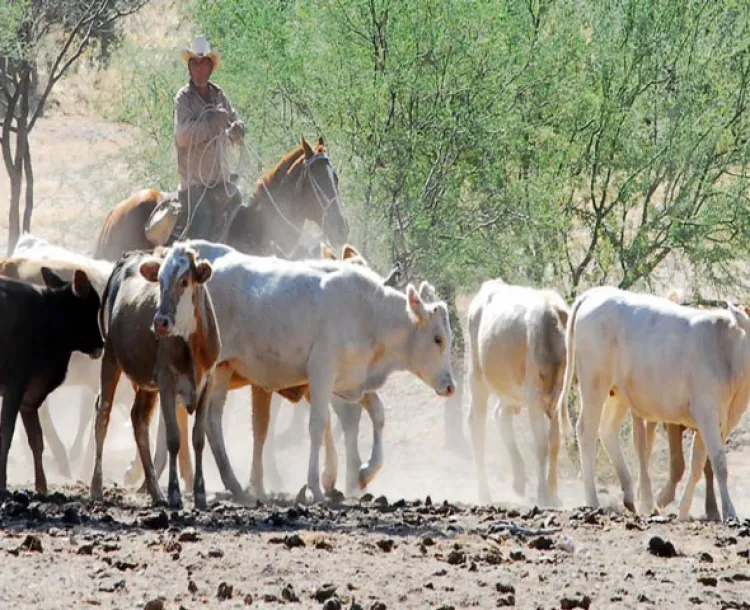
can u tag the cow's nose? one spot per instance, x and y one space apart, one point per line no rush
161 325
449 390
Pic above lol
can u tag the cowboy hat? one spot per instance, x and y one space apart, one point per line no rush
200 48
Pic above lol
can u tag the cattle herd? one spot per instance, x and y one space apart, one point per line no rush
188 323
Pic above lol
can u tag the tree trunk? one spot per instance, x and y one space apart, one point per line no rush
29 173
13 217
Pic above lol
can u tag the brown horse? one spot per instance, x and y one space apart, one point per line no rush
302 186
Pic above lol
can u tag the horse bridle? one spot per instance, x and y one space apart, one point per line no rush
323 200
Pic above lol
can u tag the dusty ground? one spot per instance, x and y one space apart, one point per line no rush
399 552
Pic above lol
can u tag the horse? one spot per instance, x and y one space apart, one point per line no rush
302 186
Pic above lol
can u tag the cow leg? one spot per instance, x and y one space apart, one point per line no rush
53 440
697 461
160 454
554 455
478 419
85 419
609 431
215 433
30 418
504 419
676 465
261 416
321 389
140 415
593 393
712 509
199 443
109 376
270 466
167 398
330 471
705 416
539 422
349 415
640 433
183 456
376 410
11 405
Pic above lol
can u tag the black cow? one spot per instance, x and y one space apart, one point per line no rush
40 327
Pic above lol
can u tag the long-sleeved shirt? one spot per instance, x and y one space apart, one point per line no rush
201 143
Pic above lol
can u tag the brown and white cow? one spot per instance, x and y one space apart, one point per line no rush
517 352
170 356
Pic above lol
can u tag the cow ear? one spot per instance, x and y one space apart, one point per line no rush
203 272
51 279
81 284
414 304
150 270
427 292
326 252
349 251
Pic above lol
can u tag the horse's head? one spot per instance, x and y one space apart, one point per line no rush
318 188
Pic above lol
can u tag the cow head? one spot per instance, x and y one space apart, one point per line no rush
81 311
430 346
179 275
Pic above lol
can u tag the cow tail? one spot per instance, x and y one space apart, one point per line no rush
570 348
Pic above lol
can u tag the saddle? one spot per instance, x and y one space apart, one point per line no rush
169 217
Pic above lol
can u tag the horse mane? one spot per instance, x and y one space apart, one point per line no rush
283 168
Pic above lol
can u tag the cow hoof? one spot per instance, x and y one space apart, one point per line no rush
713 516
199 501
175 501
629 505
302 496
329 482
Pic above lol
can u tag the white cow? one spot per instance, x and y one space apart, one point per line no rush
667 363
517 352
328 326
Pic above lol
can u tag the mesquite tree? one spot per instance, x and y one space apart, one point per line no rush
27 29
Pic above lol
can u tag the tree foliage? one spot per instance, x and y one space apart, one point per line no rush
563 142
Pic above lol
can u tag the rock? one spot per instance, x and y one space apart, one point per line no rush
427 541
71 516
385 545
324 592
112 587
125 565
32 544
568 603
322 545
248 600
381 501
293 541
86 549
661 548
216 553
502 587
332 604
705 558
543 543
155 604
378 606
708 581
189 534
225 591
288 594
160 521
192 587
517 556
506 601
456 557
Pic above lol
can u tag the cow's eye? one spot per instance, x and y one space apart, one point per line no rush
438 341
184 282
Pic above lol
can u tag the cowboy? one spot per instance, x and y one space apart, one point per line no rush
204 125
